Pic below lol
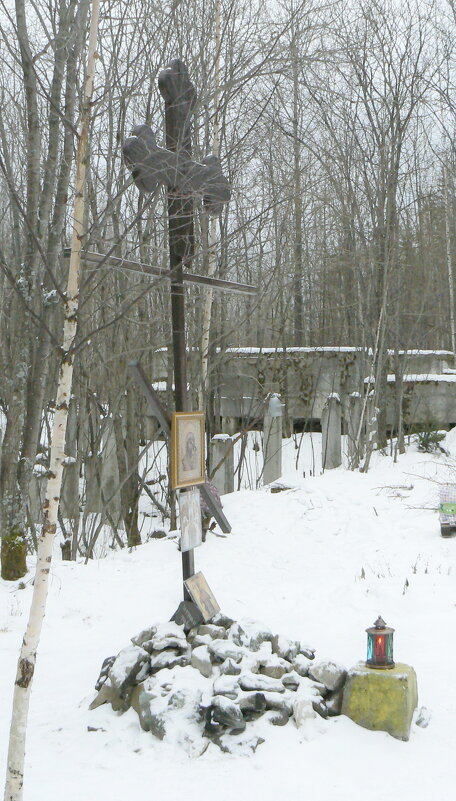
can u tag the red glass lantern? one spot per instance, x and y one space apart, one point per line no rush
380 645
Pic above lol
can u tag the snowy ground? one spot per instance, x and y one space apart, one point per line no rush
317 563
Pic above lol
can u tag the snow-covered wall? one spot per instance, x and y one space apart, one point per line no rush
242 378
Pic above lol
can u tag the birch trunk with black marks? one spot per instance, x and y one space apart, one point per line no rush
27 658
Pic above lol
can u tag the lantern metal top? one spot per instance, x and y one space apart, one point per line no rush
380 625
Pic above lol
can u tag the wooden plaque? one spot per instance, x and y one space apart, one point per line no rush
190 520
202 596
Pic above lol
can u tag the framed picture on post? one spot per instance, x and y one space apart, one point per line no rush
187 449
202 596
190 519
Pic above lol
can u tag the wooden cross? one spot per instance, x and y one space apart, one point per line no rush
152 165
184 178
173 167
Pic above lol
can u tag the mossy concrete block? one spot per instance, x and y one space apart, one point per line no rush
382 700
13 556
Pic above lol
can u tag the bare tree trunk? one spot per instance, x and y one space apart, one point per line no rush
449 257
298 311
70 42
127 449
27 658
212 234
13 512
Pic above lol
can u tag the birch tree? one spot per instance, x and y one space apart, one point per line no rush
27 658
39 217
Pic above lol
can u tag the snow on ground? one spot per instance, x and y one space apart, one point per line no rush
318 563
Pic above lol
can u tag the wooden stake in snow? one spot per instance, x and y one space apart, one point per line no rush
27 658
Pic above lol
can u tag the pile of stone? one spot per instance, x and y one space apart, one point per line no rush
211 683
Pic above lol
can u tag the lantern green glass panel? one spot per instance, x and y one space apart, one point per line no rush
370 648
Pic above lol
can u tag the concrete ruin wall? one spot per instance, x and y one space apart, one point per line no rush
304 377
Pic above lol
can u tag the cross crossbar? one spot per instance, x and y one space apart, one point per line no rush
147 269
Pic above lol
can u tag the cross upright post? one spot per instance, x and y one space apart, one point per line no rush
180 96
174 168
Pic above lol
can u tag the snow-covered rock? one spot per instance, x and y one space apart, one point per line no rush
230 667
251 703
227 713
214 632
257 681
144 636
237 634
104 672
301 664
201 639
334 702
222 620
291 680
201 660
278 701
329 673
127 666
255 634
159 643
169 659
303 709
275 667
284 648
207 685
226 685
224 649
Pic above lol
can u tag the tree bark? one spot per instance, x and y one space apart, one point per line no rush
27 658
208 294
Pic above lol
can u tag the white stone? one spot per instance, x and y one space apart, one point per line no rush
301 664
127 664
224 649
287 649
201 660
170 629
256 681
275 667
144 635
283 702
201 639
329 673
291 680
226 685
303 710
214 632
169 659
160 643
256 634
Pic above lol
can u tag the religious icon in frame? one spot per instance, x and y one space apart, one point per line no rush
190 519
202 596
187 449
